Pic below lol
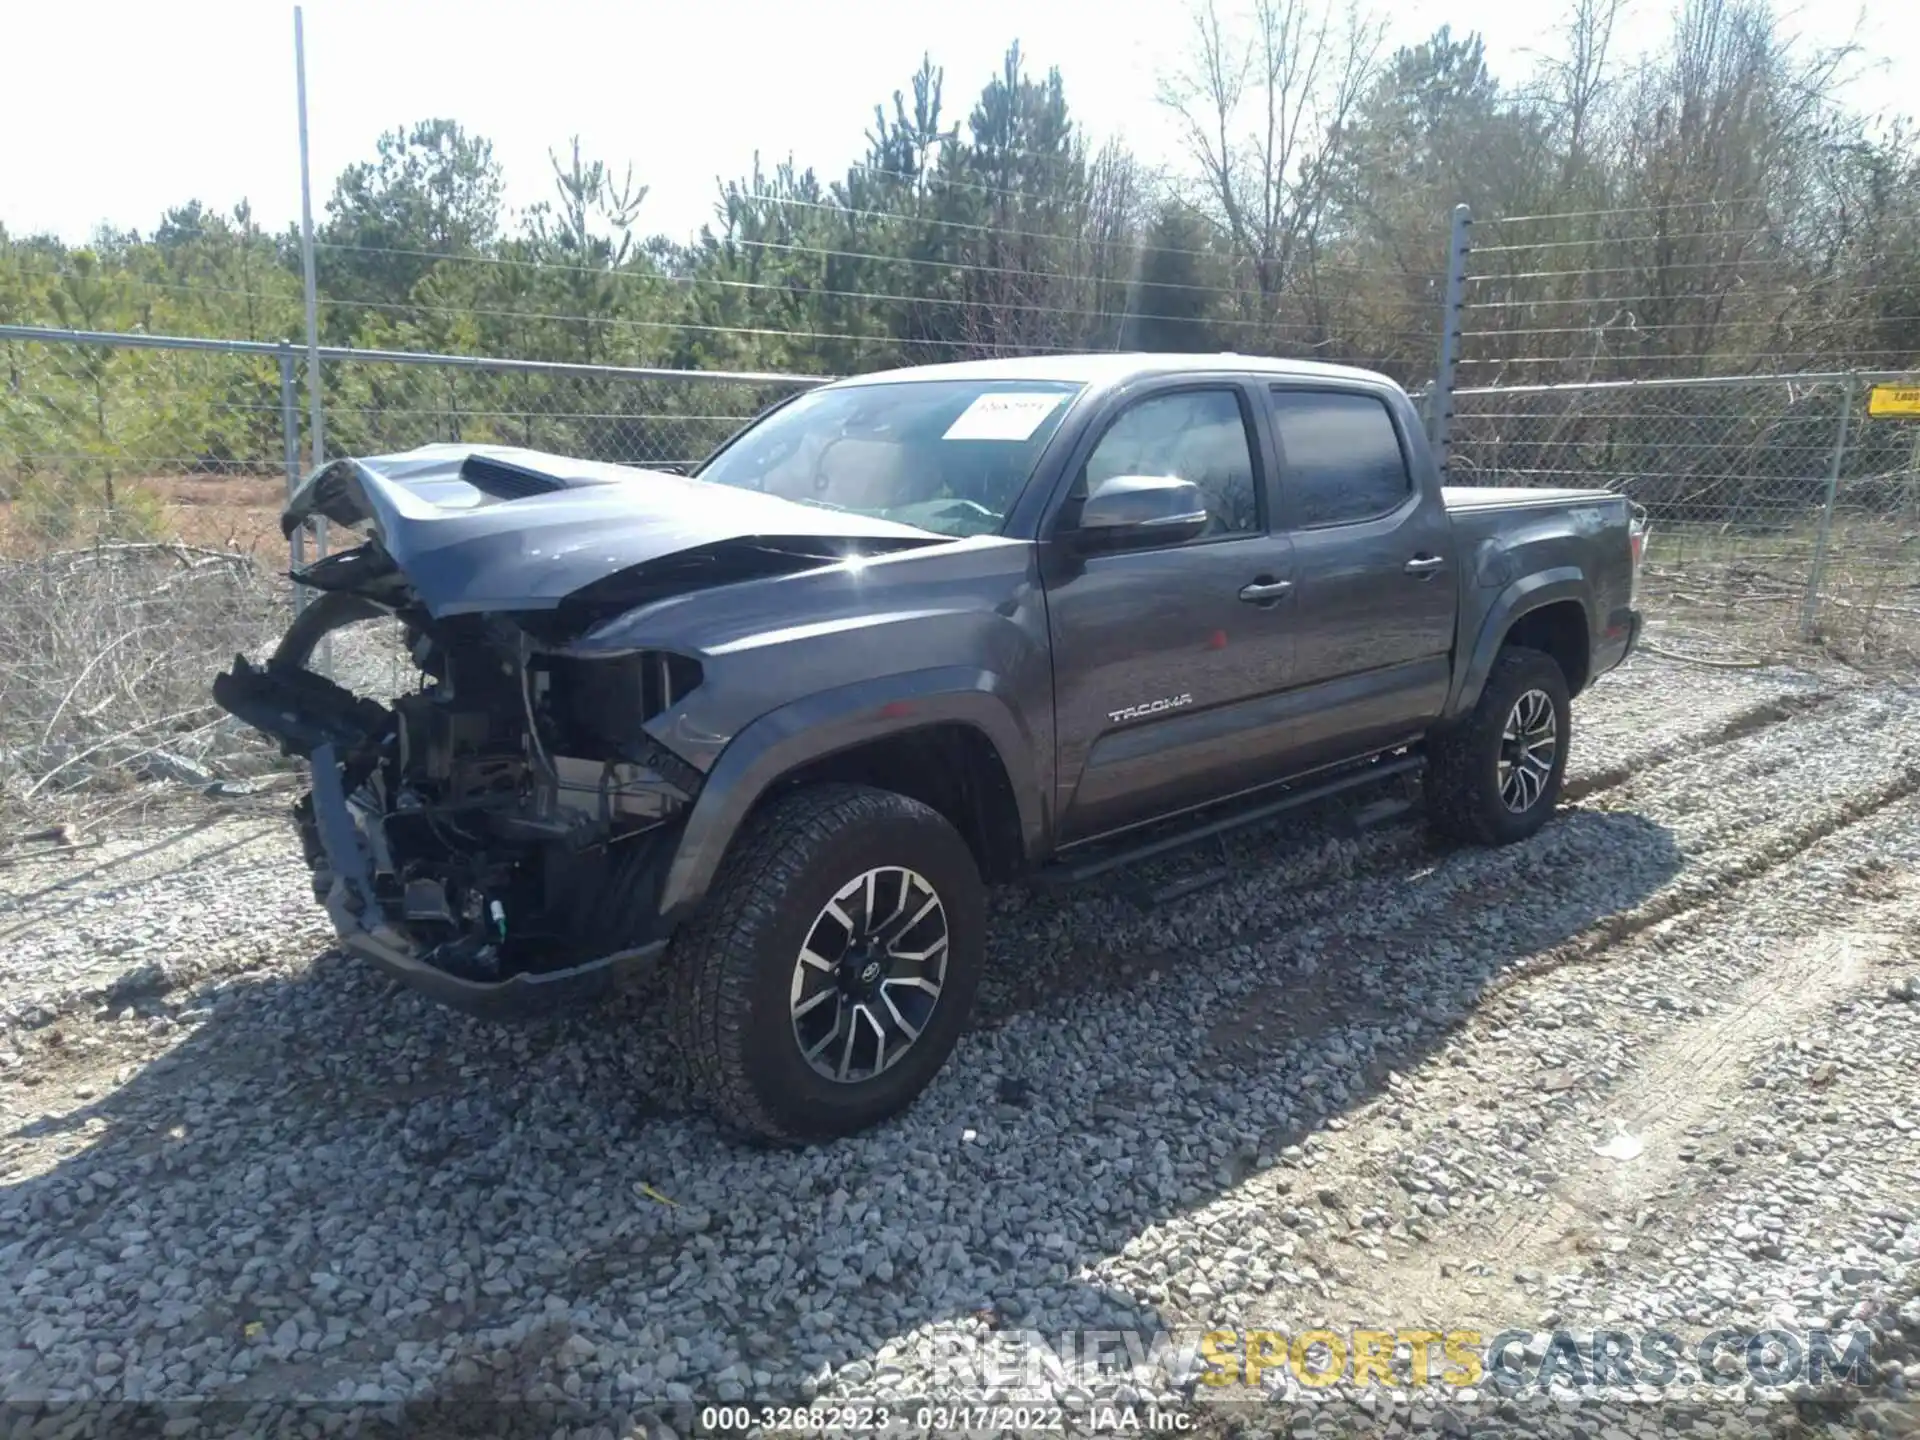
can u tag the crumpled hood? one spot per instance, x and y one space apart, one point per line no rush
494 527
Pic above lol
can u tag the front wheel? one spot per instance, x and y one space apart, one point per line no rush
833 964
1494 777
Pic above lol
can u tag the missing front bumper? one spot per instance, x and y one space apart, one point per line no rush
527 993
498 838
366 931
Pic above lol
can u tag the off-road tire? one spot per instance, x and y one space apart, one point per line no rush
1462 780
732 965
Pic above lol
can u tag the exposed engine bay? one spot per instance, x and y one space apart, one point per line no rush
490 806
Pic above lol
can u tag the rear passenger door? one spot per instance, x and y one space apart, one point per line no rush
1374 571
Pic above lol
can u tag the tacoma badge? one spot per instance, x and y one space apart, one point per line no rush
1152 707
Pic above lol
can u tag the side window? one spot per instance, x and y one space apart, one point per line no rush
1340 457
1198 435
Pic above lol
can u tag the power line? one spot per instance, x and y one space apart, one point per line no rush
623 322
883 258
1611 358
1622 240
1619 210
999 230
868 342
1308 267
811 291
1609 327
1529 301
619 321
966 268
1623 269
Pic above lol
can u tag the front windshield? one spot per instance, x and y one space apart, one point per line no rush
950 456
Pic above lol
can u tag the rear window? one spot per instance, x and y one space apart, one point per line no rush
1340 457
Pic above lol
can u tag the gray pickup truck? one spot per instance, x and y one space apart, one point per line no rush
777 724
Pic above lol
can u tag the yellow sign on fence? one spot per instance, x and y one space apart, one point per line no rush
1885 401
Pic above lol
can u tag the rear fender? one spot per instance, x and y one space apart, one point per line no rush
823 724
1529 592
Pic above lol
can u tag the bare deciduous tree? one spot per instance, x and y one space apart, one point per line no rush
1262 101
1578 79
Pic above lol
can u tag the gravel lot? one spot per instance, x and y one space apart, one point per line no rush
1357 1081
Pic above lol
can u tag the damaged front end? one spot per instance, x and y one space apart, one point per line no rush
501 833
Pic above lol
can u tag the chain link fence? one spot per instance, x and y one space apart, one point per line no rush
141 482
659 419
1782 513
1657 351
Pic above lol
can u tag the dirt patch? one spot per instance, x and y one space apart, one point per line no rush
217 512
225 512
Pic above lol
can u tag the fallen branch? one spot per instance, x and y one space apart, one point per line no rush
192 572
51 834
1647 649
1693 597
1873 608
178 550
86 670
40 784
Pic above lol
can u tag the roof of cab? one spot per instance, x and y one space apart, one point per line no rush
1108 368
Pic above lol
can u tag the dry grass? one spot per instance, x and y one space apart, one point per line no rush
113 624
1726 594
107 653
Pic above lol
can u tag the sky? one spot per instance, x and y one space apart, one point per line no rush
112 111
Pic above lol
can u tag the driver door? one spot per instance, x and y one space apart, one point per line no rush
1169 661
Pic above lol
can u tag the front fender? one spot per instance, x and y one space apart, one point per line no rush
1529 592
822 724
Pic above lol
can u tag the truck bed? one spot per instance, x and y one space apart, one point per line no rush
1515 497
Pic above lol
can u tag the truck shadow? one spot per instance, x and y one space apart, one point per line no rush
327 1172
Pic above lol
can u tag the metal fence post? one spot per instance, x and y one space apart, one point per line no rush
290 445
317 419
1440 397
1810 612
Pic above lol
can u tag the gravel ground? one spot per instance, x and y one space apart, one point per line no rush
1356 1081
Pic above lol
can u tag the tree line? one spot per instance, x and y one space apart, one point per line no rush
1714 205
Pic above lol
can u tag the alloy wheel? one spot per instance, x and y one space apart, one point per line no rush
1528 746
867 980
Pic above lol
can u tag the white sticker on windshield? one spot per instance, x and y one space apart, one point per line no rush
1002 417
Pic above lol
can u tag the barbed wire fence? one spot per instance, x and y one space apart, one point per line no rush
1728 400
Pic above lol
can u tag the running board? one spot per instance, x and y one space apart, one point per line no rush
1072 874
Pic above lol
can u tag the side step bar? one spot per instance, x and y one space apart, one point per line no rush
1071 874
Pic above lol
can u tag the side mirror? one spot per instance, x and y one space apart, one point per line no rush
1128 511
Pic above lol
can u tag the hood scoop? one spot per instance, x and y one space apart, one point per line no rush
504 480
472 528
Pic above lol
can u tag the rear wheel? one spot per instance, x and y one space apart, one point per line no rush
833 964
1495 776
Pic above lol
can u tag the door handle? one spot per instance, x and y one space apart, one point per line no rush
1262 591
1424 565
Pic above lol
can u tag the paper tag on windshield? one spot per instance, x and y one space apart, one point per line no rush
1002 417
